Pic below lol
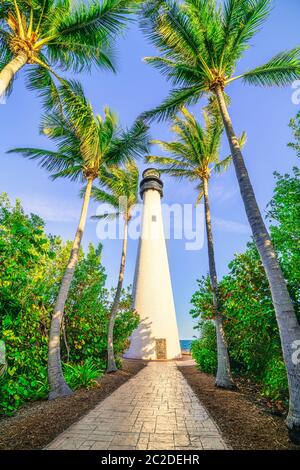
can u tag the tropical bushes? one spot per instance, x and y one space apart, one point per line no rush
24 253
250 324
295 126
284 212
82 375
204 350
275 380
31 267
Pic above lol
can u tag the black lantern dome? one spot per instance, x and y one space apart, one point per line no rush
151 180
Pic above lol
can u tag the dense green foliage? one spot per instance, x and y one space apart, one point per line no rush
250 324
284 214
295 126
204 350
31 267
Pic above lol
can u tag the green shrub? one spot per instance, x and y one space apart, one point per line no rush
83 375
16 390
204 349
275 385
31 268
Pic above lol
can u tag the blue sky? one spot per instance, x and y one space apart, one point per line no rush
263 113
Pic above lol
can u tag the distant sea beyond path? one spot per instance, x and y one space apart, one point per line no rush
185 345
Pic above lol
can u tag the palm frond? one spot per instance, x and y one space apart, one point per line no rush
159 28
5 53
176 148
230 23
195 153
53 162
171 105
200 190
246 18
178 73
205 16
118 187
243 139
179 173
281 70
222 165
171 162
131 143
41 80
79 114
106 216
72 173
82 56
102 196
109 16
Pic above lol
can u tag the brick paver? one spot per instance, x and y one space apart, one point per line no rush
156 409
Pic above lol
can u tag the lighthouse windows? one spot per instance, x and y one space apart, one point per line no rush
154 218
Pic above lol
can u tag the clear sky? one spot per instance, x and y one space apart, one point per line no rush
263 113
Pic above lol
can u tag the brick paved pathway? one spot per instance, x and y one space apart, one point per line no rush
156 409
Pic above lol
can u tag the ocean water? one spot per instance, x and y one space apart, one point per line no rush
185 345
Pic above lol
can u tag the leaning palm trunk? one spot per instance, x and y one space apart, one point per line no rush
111 363
223 378
288 325
9 71
57 383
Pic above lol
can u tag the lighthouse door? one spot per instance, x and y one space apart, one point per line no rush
161 348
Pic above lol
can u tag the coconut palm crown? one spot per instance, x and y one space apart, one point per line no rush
47 35
200 43
118 187
195 153
85 141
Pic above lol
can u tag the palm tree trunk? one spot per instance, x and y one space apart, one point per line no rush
111 363
288 325
57 383
224 377
9 71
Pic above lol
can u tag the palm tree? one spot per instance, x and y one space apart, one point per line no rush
194 156
200 43
49 34
118 188
85 143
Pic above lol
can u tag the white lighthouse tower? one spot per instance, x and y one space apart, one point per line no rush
157 335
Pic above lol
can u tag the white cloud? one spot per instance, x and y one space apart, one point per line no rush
230 226
52 209
217 193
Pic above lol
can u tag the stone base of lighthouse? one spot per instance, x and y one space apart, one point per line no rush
156 338
158 349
